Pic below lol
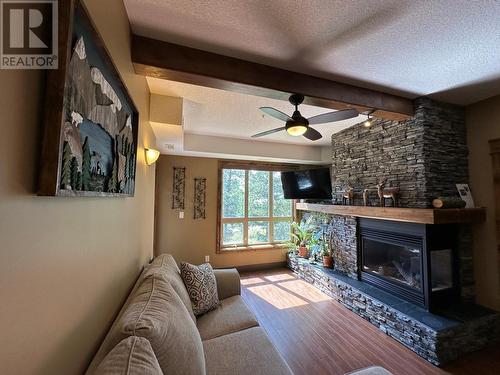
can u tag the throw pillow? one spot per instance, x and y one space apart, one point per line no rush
201 286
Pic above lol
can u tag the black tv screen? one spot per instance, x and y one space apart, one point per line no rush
307 184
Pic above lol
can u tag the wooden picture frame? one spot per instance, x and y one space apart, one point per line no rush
91 122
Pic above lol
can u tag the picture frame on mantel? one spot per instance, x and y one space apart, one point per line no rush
90 133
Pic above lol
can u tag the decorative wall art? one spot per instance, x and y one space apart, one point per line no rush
179 187
200 189
91 122
466 195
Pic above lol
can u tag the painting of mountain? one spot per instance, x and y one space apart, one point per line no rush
99 121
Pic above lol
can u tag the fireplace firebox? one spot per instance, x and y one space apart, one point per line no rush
415 262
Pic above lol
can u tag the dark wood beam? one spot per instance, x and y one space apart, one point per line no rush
160 59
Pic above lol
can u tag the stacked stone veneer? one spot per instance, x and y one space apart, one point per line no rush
341 232
436 346
466 266
424 156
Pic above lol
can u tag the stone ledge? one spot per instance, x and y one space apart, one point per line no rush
435 338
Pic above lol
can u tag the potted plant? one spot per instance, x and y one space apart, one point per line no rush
301 234
327 254
292 248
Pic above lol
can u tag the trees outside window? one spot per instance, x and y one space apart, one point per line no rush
253 209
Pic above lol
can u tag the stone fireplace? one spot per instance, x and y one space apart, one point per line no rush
425 157
414 281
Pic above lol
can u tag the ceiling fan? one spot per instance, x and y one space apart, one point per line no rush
297 125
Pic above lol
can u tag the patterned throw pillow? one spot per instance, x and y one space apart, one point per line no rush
201 286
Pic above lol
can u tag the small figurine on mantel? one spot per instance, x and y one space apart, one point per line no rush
348 196
366 197
387 193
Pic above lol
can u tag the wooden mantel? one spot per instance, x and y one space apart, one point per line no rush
410 215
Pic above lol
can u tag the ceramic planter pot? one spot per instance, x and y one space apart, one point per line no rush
328 261
303 252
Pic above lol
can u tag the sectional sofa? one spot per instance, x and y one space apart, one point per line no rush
156 331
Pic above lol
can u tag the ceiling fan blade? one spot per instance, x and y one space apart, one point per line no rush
333 116
275 113
312 134
267 132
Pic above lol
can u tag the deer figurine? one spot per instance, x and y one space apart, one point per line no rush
387 193
348 196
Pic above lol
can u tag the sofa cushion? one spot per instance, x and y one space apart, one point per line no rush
228 282
165 261
114 335
244 352
132 356
165 265
201 285
157 313
232 315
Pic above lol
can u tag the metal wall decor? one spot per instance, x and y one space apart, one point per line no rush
200 188
179 187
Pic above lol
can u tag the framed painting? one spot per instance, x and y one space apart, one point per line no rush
91 122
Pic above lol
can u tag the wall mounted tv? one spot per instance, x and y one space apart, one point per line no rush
307 184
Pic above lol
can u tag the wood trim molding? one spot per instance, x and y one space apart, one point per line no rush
261 266
264 166
495 165
494 146
174 62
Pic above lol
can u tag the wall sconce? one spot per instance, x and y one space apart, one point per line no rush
152 155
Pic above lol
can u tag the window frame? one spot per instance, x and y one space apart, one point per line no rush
247 166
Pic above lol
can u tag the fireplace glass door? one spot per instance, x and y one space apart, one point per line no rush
441 269
399 264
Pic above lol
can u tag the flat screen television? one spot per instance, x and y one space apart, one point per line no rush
307 184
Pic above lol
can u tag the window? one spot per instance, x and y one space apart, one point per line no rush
253 212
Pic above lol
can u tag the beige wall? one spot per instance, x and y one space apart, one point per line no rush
482 125
188 239
66 264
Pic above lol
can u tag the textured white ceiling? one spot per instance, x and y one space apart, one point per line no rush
449 49
233 115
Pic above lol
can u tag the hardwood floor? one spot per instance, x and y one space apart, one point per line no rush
317 335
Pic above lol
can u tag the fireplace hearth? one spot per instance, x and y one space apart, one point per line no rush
437 337
415 262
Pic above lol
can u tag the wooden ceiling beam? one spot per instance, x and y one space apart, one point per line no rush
155 58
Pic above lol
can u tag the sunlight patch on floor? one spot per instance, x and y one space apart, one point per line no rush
279 298
305 290
280 277
252 280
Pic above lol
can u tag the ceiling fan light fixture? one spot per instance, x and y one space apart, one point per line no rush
296 129
297 125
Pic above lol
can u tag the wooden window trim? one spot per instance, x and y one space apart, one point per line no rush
495 164
250 165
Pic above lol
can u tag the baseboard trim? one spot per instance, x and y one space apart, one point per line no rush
261 266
